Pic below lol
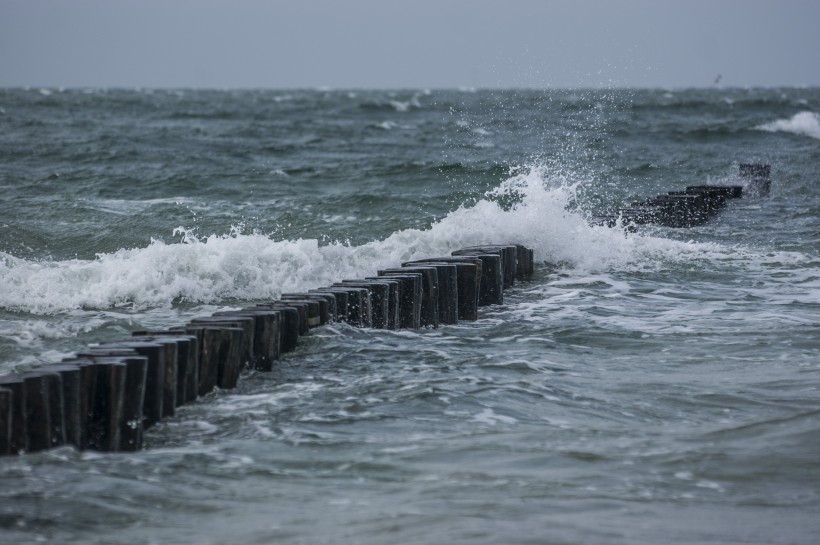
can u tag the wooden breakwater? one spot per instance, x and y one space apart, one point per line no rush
693 206
107 395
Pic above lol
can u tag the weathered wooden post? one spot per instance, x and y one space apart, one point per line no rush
410 298
358 303
187 360
246 323
18 436
5 421
430 297
341 298
312 310
509 259
394 287
379 300
267 334
492 276
468 270
324 303
155 389
38 411
133 407
447 289
72 394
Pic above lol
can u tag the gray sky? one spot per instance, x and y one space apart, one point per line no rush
413 43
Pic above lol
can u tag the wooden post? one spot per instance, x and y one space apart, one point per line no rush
88 385
18 436
187 361
324 303
358 304
341 302
468 270
492 276
247 323
38 411
155 386
5 421
267 335
394 286
379 296
133 408
72 394
220 355
410 298
447 289
430 297
104 432
509 258
313 309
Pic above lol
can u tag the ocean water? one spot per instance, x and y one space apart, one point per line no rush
658 386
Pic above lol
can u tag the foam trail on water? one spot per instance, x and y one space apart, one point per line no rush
252 266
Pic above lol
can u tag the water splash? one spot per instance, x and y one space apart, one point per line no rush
531 207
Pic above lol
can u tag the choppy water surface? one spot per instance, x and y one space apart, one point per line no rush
649 387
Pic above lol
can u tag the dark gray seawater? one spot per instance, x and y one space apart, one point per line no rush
652 387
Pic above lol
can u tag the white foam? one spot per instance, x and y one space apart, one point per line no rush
804 123
252 266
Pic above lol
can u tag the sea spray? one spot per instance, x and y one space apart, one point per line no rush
531 207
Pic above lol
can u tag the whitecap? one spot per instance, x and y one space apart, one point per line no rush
804 123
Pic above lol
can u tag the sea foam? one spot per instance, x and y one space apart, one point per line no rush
252 266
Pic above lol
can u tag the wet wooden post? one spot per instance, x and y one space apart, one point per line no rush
18 437
133 407
187 360
54 390
468 270
357 302
132 420
379 300
105 432
394 294
289 326
154 399
103 393
492 276
5 421
341 298
447 289
411 296
267 335
525 262
429 304
325 304
509 259
88 385
220 355
229 357
38 411
246 322
313 310
70 382
301 308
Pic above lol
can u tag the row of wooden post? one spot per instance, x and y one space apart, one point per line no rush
694 206
108 395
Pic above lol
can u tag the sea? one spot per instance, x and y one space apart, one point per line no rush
649 386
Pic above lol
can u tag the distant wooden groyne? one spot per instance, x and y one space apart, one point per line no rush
694 206
106 396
